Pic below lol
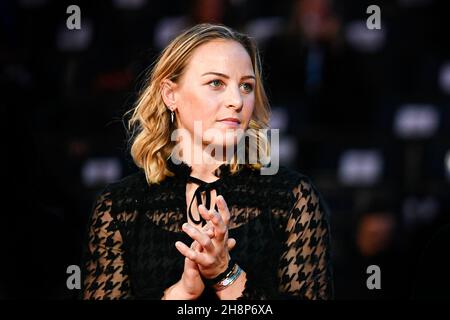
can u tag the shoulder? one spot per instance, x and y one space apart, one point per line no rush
125 193
303 199
284 187
129 184
284 178
298 184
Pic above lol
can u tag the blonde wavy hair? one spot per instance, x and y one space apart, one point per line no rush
150 127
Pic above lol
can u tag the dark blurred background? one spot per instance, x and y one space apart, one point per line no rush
364 113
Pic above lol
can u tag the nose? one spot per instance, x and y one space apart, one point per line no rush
234 98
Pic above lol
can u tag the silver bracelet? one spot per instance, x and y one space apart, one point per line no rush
229 279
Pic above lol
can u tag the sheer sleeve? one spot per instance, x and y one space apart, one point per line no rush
304 269
105 274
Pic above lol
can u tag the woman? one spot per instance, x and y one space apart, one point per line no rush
216 228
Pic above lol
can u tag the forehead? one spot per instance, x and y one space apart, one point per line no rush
221 55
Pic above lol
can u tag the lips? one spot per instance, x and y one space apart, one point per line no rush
231 120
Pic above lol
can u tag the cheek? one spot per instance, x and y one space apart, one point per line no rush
199 107
206 108
249 107
207 112
192 103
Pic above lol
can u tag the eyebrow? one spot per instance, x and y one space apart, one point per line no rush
228 77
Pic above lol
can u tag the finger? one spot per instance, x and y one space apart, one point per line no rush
220 228
186 251
231 243
223 209
212 216
196 247
202 238
209 229
195 256
210 233
190 265
205 213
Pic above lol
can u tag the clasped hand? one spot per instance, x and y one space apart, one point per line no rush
208 256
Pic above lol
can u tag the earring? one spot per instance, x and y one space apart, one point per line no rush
172 115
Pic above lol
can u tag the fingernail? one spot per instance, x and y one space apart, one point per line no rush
186 225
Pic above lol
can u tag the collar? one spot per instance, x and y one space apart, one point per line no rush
184 170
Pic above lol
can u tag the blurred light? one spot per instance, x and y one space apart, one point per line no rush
360 167
447 165
75 40
100 171
288 150
129 4
416 121
363 39
444 78
279 118
418 211
263 29
167 29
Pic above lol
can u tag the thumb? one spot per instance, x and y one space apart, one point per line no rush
231 243
190 267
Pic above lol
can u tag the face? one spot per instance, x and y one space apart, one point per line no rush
216 90
374 234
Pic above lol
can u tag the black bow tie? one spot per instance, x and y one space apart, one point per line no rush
206 187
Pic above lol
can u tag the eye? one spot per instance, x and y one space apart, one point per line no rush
248 87
215 83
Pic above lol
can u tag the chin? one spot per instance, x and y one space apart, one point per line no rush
224 141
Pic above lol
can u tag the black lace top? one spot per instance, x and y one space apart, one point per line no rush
279 223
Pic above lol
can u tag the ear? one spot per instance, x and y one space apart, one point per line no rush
168 93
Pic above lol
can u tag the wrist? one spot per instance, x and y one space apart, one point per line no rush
178 292
226 278
211 281
234 290
232 274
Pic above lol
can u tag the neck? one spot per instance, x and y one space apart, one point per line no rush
202 162
204 172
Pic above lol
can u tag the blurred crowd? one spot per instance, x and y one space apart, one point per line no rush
364 113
